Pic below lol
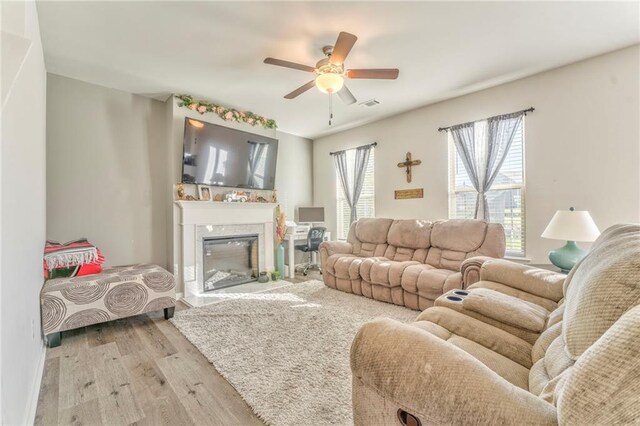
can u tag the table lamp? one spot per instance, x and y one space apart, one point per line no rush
570 225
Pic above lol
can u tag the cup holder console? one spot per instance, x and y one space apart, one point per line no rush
456 296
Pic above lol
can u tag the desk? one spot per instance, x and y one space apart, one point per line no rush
291 242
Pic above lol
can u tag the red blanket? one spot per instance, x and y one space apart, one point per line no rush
71 259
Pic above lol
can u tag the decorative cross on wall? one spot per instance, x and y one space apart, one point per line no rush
408 163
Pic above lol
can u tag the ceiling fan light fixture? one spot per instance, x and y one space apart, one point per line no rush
329 82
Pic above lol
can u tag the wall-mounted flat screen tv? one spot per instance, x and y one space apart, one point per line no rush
218 155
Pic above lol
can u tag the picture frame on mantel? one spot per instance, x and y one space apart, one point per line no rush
204 193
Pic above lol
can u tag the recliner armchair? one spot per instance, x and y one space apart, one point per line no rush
449 367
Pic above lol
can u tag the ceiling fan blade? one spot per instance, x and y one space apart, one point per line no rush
300 90
343 46
380 73
346 95
287 64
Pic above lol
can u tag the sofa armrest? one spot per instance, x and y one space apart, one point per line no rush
327 248
540 282
401 366
494 338
506 309
470 269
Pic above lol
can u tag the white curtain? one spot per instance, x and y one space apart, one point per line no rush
483 153
352 185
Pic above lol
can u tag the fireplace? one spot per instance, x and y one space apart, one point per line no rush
229 261
197 221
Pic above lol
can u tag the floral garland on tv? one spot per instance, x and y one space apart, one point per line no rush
226 114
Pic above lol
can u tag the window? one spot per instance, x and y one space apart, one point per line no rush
366 203
506 197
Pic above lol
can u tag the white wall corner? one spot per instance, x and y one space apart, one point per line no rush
32 408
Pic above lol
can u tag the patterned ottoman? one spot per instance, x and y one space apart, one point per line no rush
118 292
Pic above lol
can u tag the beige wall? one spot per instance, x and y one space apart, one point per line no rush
113 158
22 207
294 177
582 147
105 170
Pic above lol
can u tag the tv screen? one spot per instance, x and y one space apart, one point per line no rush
218 155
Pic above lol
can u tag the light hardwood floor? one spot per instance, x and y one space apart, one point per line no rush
138 370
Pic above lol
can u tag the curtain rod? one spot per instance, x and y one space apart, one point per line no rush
362 146
524 111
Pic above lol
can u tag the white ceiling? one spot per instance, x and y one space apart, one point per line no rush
214 50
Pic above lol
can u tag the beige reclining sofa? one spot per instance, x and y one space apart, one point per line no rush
409 262
478 362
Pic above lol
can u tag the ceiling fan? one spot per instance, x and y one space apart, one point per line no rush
331 72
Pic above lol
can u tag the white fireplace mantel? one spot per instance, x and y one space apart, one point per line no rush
219 212
193 220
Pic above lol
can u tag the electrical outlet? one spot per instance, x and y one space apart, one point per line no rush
33 329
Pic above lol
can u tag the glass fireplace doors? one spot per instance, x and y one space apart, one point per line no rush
229 261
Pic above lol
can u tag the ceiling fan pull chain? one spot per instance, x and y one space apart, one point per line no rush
330 108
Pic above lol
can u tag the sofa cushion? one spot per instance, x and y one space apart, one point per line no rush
509 370
433 328
388 272
433 281
413 234
542 344
402 254
549 305
556 358
556 315
427 281
548 373
604 286
339 262
464 235
506 309
445 259
330 263
344 265
494 244
372 230
367 265
480 332
369 249
546 284
411 276
605 376
611 232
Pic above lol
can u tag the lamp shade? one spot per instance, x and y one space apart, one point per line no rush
572 225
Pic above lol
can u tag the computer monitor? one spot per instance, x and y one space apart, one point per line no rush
310 214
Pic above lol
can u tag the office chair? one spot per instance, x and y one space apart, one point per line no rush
314 238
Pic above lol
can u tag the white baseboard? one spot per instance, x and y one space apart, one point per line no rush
179 295
35 390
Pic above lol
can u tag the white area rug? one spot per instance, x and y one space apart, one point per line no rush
286 351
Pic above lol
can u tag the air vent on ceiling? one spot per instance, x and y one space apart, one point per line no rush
370 103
